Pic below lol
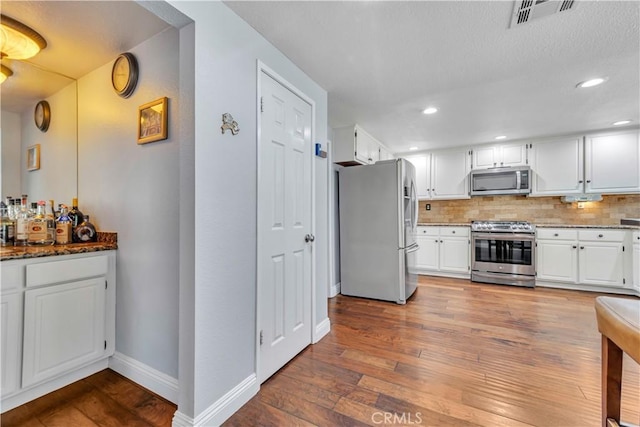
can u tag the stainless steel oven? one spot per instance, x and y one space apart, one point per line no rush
503 252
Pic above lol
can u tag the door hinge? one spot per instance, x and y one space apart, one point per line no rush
105 345
355 133
105 284
261 105
623 249
624 281
261 337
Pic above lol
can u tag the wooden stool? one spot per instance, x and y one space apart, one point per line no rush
619 324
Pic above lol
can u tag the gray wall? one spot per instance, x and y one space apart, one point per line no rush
10 137
226 55
135 190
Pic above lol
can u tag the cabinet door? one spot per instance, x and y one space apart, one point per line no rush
557 261
557 167
450 174
64 328
363 146
11 318
454 255
612 163
421 164
600 263
427 255
513 155
485 157
636 267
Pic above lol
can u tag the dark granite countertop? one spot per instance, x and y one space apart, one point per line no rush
107 241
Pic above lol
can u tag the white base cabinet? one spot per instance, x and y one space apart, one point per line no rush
635 261
444 251
58 324
591 259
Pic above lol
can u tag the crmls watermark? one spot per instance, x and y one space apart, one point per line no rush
390 418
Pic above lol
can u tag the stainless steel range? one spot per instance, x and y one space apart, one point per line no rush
503 252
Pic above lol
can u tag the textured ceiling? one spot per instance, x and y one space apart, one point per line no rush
382 62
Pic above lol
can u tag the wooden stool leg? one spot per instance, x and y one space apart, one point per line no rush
611 380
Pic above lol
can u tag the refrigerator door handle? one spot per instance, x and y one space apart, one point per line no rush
412 248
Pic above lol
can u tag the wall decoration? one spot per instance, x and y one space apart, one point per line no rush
33 157
124 74
152 121
42 115
229 124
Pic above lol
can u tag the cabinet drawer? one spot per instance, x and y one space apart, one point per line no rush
64 271
11 276
557 234
427 231
454 231
601 235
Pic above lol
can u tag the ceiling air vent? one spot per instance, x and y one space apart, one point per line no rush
527 10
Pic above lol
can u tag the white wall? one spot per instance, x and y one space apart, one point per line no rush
10 148
226 55
135 190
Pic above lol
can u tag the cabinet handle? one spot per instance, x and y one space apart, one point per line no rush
494 164
501 163
555 234
433 189
453 232
600 236
581 247
588 181
580 182
574 246
440 241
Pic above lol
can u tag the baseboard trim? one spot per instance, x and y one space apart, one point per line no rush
223 408
322 329
148 377
334 290
589 288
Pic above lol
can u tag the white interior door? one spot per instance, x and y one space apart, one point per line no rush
284 221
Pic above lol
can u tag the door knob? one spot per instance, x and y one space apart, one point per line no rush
309 238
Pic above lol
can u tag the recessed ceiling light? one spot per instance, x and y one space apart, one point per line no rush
430 110
413 148
591 82
501 137
622 122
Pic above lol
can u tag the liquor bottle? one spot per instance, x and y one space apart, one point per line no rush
7 228
22 223
39 232
64 228
50 216
85 232
76 216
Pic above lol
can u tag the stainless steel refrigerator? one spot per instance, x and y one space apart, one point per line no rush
378 219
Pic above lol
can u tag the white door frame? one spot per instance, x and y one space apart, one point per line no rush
263 68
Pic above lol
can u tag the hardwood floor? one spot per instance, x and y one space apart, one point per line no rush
458 354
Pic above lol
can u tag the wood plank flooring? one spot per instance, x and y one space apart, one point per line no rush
458 354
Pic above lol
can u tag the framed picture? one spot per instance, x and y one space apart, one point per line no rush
33 157
152 121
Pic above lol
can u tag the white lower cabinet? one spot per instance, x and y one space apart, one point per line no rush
58 322
635 261
592 258
443 251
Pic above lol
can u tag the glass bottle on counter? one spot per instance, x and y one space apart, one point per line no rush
7 227
64 229
76 216
41 228
85 232
22 223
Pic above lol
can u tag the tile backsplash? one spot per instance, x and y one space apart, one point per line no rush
538 210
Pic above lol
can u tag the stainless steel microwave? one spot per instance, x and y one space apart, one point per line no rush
498 181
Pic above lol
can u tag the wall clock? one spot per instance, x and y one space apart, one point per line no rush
42 115
124 74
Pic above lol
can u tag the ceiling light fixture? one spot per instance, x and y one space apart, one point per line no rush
413 148
17 41
622 122
591 82
5 73
429 110
501 137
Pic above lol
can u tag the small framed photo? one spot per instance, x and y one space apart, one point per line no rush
33 157
152 121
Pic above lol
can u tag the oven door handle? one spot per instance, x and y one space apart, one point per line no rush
503 236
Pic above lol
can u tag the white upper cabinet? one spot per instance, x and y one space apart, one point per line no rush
500 156
450 174
557 166
353 145
422 164
612 163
